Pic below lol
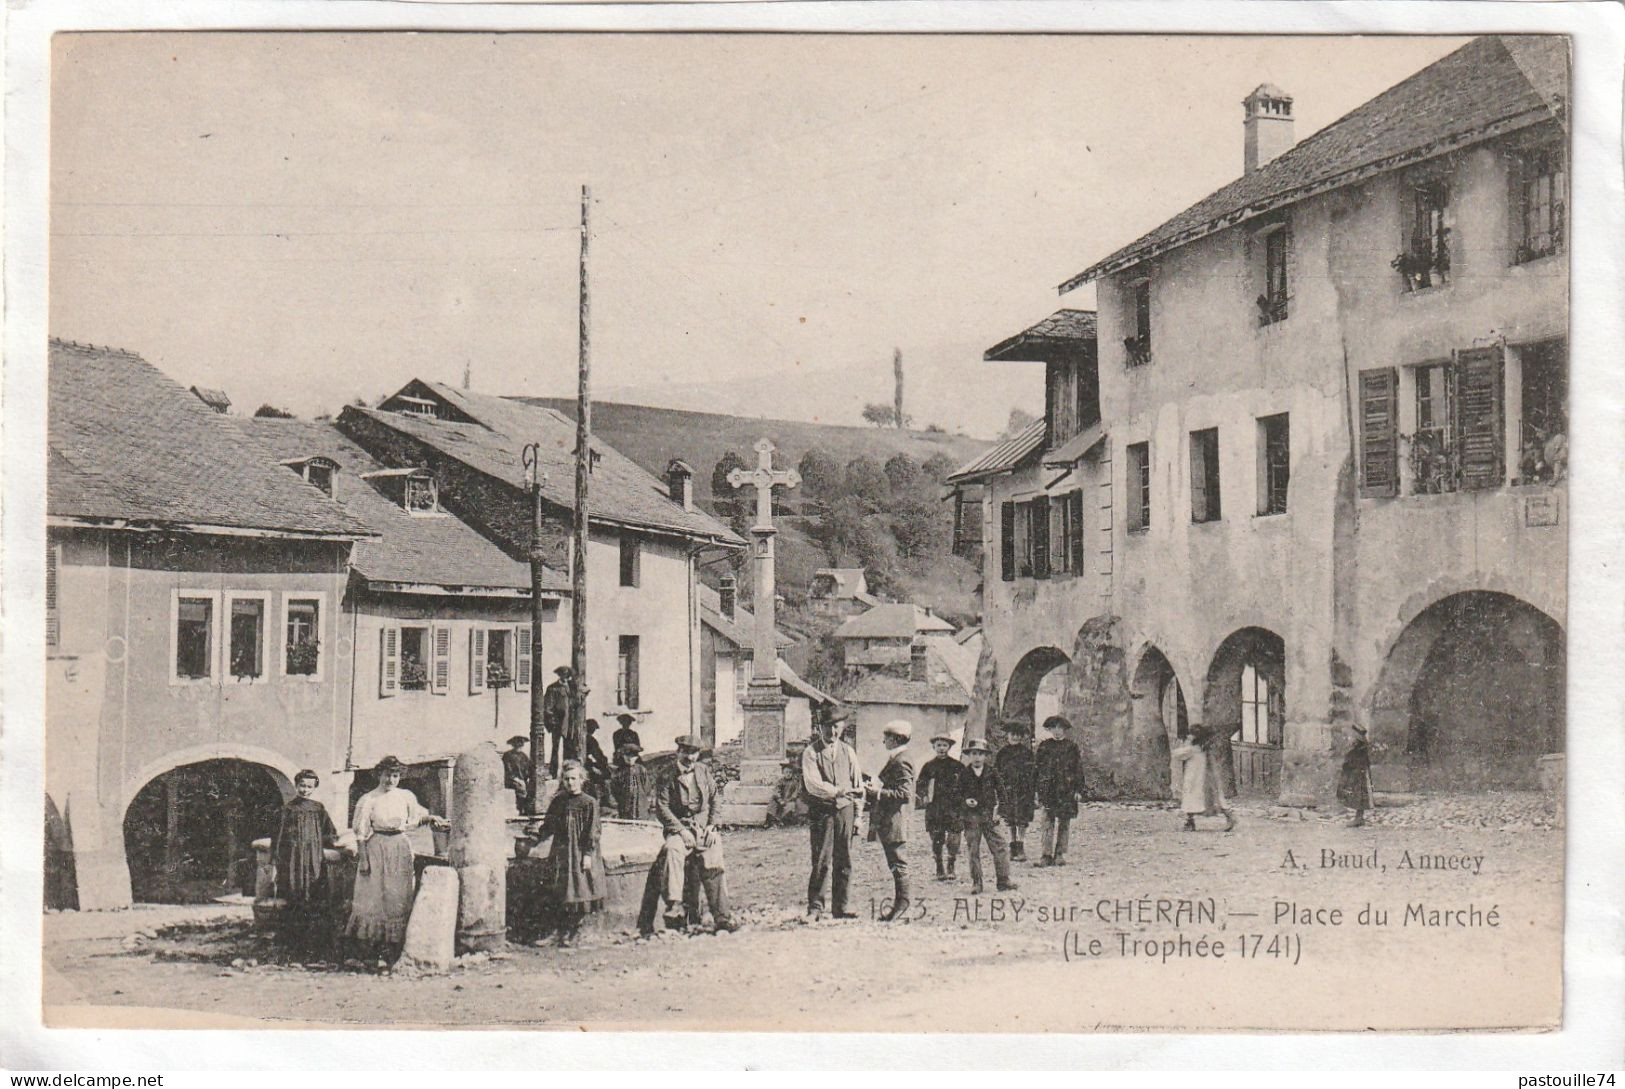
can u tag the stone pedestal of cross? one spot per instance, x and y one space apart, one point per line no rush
764 701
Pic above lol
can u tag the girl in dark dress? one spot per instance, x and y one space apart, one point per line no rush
301 873
575 868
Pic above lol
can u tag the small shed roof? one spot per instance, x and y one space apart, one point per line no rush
1011 453
897 620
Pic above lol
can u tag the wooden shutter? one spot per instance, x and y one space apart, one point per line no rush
1075 526
476 660
1040 537
440 659
53 622
521 658
1481 427
389 661
1379 432
1007 541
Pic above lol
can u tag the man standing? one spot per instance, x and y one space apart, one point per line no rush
1059 777
626 732
1015 767
939 792
829 775
556 703
686 799
980 800
889 816
516 770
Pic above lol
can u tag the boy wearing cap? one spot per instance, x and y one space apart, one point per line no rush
939 790
1014 763
888 815
1059 775
516 770
978 806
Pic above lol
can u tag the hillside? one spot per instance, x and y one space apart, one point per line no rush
653 436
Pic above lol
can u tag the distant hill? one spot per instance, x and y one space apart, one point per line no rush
653 436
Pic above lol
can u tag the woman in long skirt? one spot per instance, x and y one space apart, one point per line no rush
1201 791
384 882
575 868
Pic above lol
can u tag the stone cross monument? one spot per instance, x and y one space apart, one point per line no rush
764 701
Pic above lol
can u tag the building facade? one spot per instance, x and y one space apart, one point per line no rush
1326 484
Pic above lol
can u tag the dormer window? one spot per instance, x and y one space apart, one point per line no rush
415 406
420 495
316 471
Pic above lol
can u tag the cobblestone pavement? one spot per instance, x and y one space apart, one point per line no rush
1471 887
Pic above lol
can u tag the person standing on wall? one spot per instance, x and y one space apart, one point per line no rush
1014 764
890 796
834 786
556 703
516 770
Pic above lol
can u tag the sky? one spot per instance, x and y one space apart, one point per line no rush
303 219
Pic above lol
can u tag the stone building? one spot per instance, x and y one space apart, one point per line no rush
886 634
840 592
1305 464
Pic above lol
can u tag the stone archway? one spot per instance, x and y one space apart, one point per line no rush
1159 717
1470 694
188 831
1037 680
1244 703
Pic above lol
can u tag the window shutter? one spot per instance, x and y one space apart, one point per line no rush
1007 541
440 660
1379 444
1040 537
389 665
521 655
1481 427
1075 501
476 660
1198 480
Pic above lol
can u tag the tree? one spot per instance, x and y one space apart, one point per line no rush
937 467
1020 420
723 498
271 412
820 475
879 415
903 474
866 480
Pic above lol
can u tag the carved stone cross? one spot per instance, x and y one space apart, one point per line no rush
764 478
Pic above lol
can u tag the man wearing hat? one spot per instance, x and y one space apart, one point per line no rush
685 803
939 790
888 812
833 784
516 770
978 805
556 704
626 734
1354 781
1059 774
1014 763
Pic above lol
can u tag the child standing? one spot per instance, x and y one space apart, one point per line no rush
938 790
1059 778
1354 782
303 830
575 868
979 802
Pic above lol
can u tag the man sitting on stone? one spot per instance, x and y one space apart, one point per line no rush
686 799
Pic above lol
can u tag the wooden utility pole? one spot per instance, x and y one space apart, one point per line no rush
538 569
576 727
897 392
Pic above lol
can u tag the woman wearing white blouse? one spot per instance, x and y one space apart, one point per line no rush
384 881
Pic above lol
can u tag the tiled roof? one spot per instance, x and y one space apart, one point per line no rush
849 581
494 433
412 549
898 620
741 630
1488 86
884 688
1008 454
127 443
789 678
1062 331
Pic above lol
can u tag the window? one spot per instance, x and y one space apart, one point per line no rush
419 495
1007 541
629 559
53 621
1426 260
1541 204
1205 475
246 646
1543 428
1139 486
1139 345
744 666
1274 463
194 638
626 672
1256 719
1067 531
414 659
1272 303
301 648
499 658
1434 468
321 475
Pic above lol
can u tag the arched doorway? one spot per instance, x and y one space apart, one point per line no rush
1159 715
1244 702
189 832
1470 694
1035 688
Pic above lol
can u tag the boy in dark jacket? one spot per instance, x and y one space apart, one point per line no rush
979 804
938 790
1014 763
1059 777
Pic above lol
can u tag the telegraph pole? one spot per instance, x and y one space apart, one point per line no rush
576 727
538 717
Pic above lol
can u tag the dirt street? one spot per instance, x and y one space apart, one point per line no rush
1473 940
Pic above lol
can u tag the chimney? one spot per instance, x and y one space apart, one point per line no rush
728 591
1267 127
680 483
919 667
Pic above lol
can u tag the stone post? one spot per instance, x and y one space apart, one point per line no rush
480 847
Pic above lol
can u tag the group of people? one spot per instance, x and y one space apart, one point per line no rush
621 784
